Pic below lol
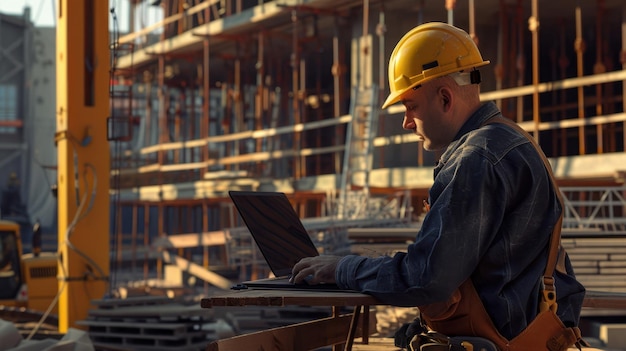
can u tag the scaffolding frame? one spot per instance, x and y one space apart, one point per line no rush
235 95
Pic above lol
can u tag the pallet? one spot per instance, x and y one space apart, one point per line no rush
153 324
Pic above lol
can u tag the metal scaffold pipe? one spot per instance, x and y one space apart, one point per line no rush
520 66
533 25
579 46
599 68
623 61
295 59
450 8
501 42
563 63
260 88
206 94
472 22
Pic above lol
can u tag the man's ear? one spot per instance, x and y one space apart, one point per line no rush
445 97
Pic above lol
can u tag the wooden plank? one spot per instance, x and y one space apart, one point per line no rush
197 270
593 298
179 241
608 242
375 250
587 263
585 271
605 285
382 234
163 311
617 265
597 250
303 336
603 299
259 297
128 38
618 278
143 328
577 257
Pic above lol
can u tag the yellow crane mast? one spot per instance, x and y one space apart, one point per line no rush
83 155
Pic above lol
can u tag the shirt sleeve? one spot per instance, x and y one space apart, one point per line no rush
468 201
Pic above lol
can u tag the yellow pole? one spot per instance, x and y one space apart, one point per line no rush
83 156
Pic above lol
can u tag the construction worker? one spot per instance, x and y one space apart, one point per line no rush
479 264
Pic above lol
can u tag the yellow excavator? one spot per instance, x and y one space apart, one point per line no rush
28 282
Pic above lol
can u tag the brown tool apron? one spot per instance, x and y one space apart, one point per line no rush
464 315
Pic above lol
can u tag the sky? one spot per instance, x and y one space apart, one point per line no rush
42 12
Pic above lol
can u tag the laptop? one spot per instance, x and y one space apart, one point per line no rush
279 235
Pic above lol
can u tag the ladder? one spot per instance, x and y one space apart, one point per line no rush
358 154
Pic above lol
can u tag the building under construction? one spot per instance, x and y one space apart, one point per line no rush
285 96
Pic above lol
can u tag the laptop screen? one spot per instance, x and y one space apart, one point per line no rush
275 227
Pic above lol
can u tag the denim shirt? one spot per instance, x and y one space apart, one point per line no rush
492 211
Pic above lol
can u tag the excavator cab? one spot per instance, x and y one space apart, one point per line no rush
10 267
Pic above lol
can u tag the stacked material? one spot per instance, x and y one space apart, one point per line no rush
153 323
599 261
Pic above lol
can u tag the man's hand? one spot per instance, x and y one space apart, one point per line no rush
318 269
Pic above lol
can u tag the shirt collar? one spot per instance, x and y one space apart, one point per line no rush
485 112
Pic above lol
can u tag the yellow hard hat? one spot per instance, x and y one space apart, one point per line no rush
429 51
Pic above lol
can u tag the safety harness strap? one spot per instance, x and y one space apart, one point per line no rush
547 284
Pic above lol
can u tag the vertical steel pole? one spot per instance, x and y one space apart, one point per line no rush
82 70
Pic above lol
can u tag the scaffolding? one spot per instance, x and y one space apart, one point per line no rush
594 211
271 95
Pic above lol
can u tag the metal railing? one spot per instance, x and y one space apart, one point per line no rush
594 211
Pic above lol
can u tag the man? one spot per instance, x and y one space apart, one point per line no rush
493 205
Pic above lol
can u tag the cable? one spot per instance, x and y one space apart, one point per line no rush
47 313
79 215
115 198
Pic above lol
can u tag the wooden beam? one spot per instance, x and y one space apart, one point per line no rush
302 336
605 299
180 241
197 270
171 19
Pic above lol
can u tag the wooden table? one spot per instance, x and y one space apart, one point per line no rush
338 330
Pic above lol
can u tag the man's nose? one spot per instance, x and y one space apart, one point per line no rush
407 123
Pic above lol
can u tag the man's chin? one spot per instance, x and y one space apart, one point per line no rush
428 146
